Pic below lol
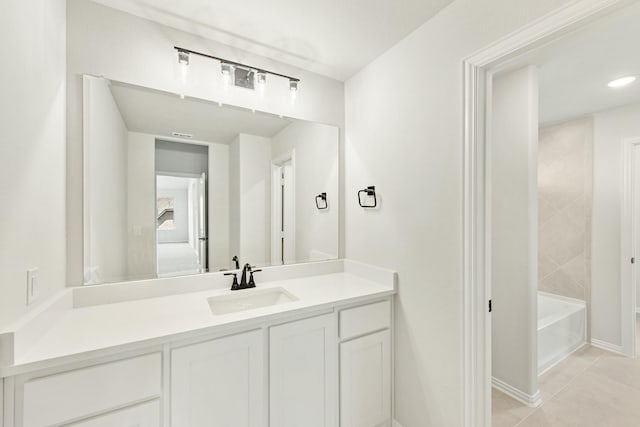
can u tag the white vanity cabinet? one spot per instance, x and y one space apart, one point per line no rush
327 367
365 366
303 373
219 382
62 398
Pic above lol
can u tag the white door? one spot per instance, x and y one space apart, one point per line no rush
288 214
219 383
143 415
365 381
303 373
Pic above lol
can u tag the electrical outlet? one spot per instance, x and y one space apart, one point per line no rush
33 285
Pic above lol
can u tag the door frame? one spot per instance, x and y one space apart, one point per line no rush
158 173
628 230
476 280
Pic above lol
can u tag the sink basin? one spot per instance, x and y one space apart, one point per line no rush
249 299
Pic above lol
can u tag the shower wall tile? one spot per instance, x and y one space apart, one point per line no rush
565 157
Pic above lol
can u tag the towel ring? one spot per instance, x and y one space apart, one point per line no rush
321 202
370 192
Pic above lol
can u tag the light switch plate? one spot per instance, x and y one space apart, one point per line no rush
32 285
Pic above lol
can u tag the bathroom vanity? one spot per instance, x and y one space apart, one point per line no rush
309 346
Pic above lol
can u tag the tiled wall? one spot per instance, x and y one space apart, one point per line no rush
565 173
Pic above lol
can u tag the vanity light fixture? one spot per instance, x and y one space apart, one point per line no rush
237 74
622 82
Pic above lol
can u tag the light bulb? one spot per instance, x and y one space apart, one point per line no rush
183 57
293 88
226 70
261 78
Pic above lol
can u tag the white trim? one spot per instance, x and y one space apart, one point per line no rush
476 323
607 346
627 247
396 424
531 400
563 358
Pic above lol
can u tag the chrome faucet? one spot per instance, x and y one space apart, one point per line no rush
244 284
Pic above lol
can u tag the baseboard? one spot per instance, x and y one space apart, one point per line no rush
607 346
533 401
396 424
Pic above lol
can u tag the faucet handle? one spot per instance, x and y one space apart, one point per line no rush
234 285
252 282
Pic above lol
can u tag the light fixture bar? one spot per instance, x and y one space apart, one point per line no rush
226 61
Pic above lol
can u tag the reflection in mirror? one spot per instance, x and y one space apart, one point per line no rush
182 186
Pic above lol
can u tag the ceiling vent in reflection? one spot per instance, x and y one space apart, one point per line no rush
182 135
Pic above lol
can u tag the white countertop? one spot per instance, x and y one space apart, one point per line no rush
116 326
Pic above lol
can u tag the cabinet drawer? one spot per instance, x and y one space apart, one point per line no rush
367 318
84 392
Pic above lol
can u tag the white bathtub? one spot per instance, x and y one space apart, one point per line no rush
561 328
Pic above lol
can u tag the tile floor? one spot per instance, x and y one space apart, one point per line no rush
591 388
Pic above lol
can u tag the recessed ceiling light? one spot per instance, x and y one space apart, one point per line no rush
622 81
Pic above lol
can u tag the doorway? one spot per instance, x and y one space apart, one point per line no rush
479 71
181 209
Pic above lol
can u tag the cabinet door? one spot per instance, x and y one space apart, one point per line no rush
303 373
144 415
219 383
365 381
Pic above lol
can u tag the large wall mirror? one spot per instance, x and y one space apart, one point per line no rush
185 186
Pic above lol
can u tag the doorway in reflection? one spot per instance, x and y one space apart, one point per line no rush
181 209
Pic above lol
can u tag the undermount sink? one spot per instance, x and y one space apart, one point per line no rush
249 299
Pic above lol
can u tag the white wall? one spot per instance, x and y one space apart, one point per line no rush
141 215
610 129
404 135
234 198
105 189
316 171
103 41
250 197
218 198
32 151
181 157
514 229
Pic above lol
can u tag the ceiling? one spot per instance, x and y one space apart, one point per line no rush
574 71
160 113
335 38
